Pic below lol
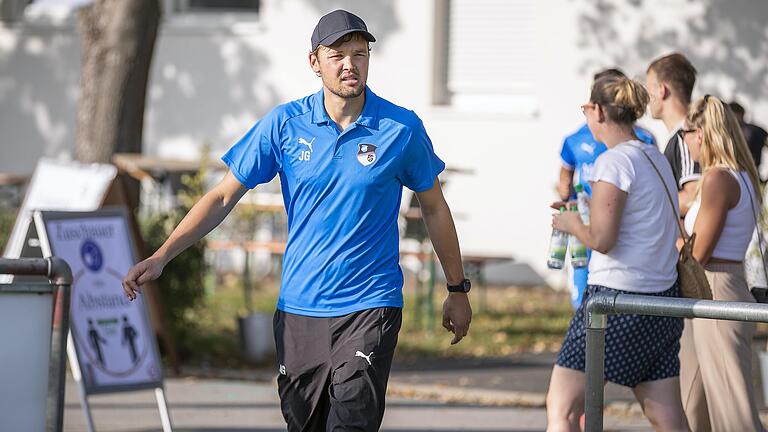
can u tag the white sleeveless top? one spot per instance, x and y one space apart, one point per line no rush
739 222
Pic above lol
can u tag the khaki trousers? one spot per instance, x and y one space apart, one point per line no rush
716 362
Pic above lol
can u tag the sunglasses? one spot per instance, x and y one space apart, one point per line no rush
587 106
683 132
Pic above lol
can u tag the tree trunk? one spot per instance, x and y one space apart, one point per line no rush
117 43
118 39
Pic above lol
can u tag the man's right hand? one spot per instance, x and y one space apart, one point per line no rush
143 272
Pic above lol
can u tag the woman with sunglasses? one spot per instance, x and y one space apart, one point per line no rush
716 356
632 233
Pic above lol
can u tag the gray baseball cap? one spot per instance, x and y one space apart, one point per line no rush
336 24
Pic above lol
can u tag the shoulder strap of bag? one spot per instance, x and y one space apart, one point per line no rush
757 226
669 196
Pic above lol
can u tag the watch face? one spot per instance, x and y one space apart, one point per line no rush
464 286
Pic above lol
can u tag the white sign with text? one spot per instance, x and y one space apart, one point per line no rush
113 339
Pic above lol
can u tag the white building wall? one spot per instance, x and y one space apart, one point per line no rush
213 76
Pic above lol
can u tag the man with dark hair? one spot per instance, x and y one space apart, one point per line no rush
754 135
577 156
670 80
343 156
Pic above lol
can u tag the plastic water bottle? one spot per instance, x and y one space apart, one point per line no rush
558 245
582 201
579 257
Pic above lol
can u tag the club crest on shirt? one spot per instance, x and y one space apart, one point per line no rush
366 154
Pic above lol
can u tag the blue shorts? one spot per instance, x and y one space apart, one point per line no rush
638 348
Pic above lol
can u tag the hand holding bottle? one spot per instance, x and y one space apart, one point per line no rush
558 245
567 222
557 204
579 255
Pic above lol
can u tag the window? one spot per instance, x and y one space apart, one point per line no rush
206 16
12 10
217 5
486 55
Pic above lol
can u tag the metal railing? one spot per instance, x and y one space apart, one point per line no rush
60 282
602 304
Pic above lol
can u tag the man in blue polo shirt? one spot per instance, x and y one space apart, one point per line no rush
343 156
578 155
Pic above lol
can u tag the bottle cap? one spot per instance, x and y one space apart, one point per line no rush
578 188
562 209
574 208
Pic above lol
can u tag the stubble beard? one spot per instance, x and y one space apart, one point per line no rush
342 91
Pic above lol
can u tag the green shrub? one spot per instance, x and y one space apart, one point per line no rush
7 219
182 284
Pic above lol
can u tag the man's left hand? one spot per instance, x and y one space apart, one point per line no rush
457 314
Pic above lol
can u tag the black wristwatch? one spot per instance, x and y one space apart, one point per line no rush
463 287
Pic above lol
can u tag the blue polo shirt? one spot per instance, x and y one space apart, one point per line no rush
580 151
342 193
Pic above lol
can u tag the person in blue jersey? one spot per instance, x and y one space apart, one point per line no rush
343 156
578 155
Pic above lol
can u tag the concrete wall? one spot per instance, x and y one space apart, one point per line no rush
213 76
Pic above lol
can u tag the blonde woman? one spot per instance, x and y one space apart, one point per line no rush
715 356
632 233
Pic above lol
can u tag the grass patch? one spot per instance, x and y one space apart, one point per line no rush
214 339
7 219
517 320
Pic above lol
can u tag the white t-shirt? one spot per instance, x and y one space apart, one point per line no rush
644 258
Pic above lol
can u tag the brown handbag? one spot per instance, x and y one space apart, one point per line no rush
690 274
691 277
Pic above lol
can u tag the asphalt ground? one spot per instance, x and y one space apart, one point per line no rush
490 394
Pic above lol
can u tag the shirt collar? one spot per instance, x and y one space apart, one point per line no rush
369 117
676 130
318 110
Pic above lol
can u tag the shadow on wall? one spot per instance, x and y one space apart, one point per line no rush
379 15
206 86
194 100
39 76
727 41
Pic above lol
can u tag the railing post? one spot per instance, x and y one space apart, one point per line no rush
595 364
597 308
61 276
602 304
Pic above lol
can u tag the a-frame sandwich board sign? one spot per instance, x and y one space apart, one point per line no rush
112 346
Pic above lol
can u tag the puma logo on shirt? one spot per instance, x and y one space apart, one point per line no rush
366 357
307 143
